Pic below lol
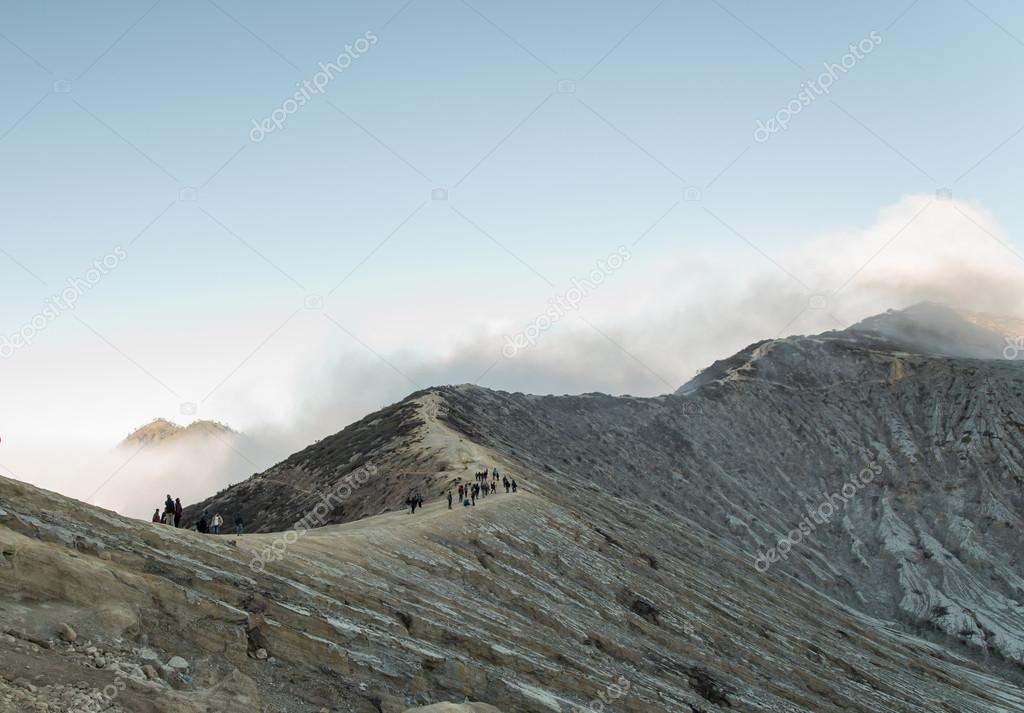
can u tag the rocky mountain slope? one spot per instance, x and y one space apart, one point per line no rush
655 558
527 602
930 328
755 454
767 452
275 499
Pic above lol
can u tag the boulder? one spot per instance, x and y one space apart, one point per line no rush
178 664
66 633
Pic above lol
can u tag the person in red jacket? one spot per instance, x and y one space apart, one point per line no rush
156 515
177 512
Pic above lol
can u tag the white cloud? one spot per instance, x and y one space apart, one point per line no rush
648 334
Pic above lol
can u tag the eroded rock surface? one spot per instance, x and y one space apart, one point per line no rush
622 573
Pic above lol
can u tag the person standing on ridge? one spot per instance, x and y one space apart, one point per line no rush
515 486
449 499
239 524
169 505
177 512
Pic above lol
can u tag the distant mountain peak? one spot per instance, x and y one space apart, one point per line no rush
926 328
938 329
161 431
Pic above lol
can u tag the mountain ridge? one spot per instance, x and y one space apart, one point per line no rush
742 456
630 556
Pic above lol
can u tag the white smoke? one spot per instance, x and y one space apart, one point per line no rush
638 333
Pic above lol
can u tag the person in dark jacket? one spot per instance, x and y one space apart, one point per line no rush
449 500
204 525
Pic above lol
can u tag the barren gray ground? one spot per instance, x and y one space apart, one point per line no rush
622 573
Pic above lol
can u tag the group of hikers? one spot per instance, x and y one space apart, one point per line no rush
486 484
468 493
483 487
172 512
206 525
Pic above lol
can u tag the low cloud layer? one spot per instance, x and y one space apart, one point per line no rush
641 334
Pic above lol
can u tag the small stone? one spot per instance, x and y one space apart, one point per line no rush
66 633
150 672
261 654
178 664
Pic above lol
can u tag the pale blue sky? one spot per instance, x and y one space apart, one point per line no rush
208 307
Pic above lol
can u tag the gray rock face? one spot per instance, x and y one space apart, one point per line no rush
767 454
881 464
930 328
523 602
286 493
625 574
